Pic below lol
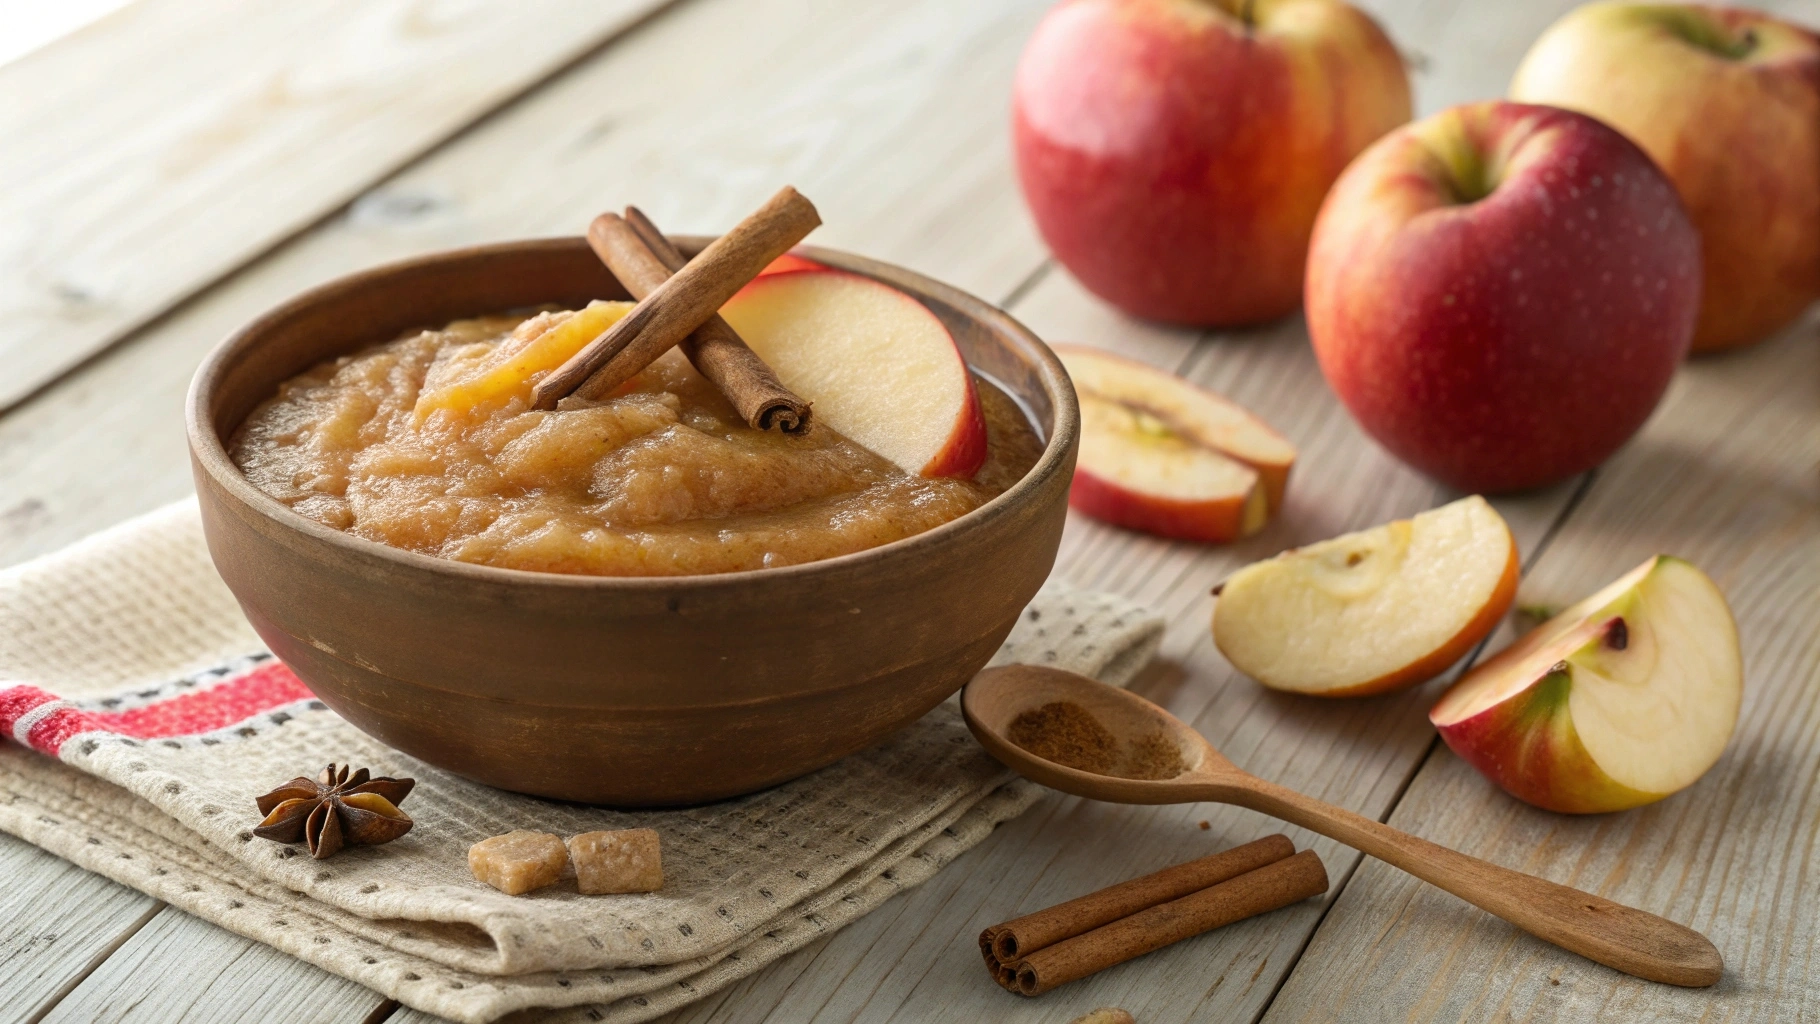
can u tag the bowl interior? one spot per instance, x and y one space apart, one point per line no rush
376 305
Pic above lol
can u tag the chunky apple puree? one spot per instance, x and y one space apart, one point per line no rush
662 479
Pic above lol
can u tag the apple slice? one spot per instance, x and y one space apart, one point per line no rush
877 365
1621 700
1163 456
1371 611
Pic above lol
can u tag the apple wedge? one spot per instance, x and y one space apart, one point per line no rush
1371 611
1163 456
539 345
877 365
1618 701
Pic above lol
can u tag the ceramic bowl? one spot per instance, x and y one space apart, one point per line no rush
619 691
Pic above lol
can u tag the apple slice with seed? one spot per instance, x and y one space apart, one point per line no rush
1163 456
1371 611
1618 701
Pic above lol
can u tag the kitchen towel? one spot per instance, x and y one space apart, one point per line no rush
145 715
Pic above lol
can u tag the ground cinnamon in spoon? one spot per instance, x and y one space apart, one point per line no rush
1154 757
1069 735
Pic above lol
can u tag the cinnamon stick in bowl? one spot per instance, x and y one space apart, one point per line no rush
674 309
643 259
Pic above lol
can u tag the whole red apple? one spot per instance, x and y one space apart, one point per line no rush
1727 101
1175 152
1500 293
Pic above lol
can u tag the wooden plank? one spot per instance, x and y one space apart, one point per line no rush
1723 476
219 128
62 922
173 971
873 112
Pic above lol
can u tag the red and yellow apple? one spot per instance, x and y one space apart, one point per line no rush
1371 611
1618 701
1501 293
1727 101
1174 152
875 364
1160 455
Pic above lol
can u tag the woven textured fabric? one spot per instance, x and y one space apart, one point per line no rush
145 716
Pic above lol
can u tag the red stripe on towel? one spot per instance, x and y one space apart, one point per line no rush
270 686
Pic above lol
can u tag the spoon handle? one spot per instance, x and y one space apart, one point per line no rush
1620 937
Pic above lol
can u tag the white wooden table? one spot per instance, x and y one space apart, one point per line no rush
177 167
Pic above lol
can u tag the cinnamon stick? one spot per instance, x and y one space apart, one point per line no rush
1032 932
675 308
1270 887
642 258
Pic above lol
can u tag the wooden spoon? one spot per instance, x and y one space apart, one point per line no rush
1617 936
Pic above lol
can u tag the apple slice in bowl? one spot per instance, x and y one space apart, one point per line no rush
1618 701
1161 455
1371 611
875 364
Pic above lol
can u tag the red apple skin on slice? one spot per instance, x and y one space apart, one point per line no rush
1210 522
1513 717
1454 649
1163 456
1528 746
877 366
1373 610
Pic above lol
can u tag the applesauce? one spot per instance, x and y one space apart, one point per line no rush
663 478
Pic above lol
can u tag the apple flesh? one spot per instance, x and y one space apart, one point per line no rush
1727 101
1371 611
1501 293
876 365
1174 152
1619 701
1160 455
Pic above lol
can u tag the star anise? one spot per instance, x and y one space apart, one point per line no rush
335 809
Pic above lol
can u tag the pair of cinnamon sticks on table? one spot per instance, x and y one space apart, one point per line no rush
1035 953
678 304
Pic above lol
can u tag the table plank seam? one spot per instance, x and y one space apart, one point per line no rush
1027 284
95 963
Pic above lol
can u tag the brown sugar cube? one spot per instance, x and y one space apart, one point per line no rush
629 860
518 862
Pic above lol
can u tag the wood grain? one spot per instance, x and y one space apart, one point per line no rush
163 146
60 923
1724 477
878 113
170 970
1628 939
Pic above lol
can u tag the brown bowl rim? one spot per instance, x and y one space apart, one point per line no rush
211 455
